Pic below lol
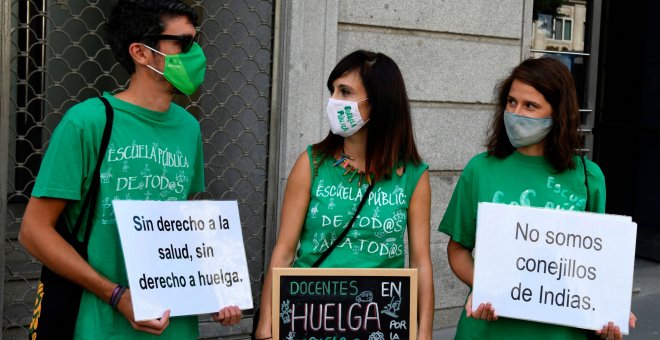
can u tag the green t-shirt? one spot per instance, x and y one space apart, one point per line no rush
526 181
376 238
150 156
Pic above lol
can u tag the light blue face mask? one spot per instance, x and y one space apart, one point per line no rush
524 131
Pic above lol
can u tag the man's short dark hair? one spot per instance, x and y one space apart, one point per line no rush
131 20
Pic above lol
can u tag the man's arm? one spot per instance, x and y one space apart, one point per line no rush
39 237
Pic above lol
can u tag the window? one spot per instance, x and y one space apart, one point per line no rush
556 28
563 29
545 24
553 37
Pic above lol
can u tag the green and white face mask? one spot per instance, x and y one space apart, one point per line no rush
185 71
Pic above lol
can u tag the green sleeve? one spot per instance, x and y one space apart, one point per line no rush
60 174
596 188
72 151
460 218
197 184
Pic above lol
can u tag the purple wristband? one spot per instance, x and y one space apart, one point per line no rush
114 294
115 302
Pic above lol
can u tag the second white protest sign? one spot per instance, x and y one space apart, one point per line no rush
562 267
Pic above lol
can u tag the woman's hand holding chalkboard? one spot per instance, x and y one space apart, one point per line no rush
483 312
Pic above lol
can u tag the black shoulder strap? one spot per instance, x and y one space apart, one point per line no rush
91 198
346 230
586 182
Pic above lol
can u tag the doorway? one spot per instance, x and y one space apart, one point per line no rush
627 129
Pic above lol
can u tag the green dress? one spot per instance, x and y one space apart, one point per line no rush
151 156
376 239
526 181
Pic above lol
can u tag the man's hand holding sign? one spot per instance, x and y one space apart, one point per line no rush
183 258
560 267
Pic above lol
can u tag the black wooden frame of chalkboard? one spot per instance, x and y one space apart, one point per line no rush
308 287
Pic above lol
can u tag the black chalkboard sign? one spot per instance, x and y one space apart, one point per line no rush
344 304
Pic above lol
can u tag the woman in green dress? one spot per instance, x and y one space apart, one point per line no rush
532 142
371 142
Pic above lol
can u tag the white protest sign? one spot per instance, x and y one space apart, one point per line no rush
562 267
186 256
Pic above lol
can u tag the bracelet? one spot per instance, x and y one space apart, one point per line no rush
114 294
121 292
114 301
270 337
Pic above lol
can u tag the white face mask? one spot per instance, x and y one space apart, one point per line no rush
344 116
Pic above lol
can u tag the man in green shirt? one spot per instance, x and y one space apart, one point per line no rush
154 153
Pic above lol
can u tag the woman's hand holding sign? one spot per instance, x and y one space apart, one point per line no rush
228 316
612 332
483 312
487 312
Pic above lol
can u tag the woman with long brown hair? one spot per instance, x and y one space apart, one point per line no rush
533 141
370 151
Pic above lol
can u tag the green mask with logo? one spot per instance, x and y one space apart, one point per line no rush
185 71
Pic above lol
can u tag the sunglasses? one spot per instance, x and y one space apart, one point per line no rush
186 41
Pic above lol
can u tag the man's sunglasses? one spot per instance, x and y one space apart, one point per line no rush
186 41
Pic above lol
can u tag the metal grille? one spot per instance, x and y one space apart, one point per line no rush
58 58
